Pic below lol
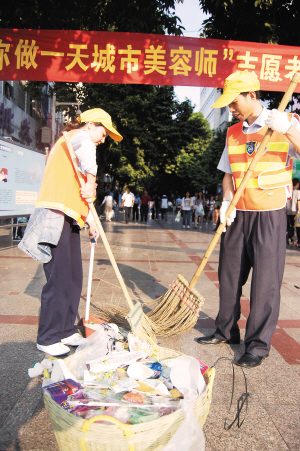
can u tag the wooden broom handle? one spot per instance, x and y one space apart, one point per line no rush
238 193
99 225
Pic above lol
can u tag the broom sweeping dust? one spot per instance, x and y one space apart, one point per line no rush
179 308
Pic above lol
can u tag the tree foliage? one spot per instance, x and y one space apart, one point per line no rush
137 16
265 21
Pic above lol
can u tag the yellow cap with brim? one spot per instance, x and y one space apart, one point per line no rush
235 84
99 115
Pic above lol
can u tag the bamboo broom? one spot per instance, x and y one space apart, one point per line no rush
139 322
179 308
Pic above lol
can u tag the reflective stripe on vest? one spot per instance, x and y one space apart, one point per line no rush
60 189
266 189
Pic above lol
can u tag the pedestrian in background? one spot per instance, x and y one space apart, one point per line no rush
156 207
211 209
127 203
108 201
186 208
199 212
145 202
178 204
135 209
194 200
164 207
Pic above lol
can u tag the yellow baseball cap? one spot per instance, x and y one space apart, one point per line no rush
240 81
99 115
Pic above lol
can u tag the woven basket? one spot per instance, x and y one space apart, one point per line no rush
75 434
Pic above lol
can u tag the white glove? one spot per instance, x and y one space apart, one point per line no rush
278 122
223 209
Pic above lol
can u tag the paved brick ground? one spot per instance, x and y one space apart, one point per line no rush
149 258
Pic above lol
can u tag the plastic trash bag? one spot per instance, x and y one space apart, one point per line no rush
178 216
187 378
99 343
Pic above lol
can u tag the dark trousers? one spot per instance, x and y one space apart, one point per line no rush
155 212
186 217
290 225
164 213
62 291
298 235
254 240
144 213
135 212
127 214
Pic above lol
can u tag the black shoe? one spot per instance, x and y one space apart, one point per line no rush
249 360
213 340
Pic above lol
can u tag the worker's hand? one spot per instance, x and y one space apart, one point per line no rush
278 122
231 217
88 192
93 231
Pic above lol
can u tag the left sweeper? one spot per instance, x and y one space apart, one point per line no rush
52 234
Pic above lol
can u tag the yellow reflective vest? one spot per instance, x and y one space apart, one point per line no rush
266 189
60 189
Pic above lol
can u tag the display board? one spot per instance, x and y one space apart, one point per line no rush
21 174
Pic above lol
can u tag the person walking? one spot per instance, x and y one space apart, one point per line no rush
145 202
186 208
255 236
135 209
127 203
211 209
216 211
199 212
178 202
52 234
164 207
108 201
195 202
156 207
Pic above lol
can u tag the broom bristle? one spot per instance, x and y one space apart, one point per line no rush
177 312
115 315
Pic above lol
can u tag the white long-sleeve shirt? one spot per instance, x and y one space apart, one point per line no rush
85 151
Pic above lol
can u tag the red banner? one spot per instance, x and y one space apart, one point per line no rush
110 57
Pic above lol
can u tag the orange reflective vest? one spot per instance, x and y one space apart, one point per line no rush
266 189
60 189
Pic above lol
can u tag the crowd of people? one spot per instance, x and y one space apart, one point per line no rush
195 210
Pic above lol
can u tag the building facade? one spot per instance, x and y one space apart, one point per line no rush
24 119
217 117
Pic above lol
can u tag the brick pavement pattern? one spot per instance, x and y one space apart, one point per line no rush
149 258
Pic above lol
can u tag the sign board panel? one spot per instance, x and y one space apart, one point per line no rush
21 174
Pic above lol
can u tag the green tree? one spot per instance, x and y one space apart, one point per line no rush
268 21
265 21
191 161
138 16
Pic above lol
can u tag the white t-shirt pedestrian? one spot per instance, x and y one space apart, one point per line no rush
186 203
164 202
128 199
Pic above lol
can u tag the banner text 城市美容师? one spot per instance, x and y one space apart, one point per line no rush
113 57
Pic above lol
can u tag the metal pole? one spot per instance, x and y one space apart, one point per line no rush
54 105
53 119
